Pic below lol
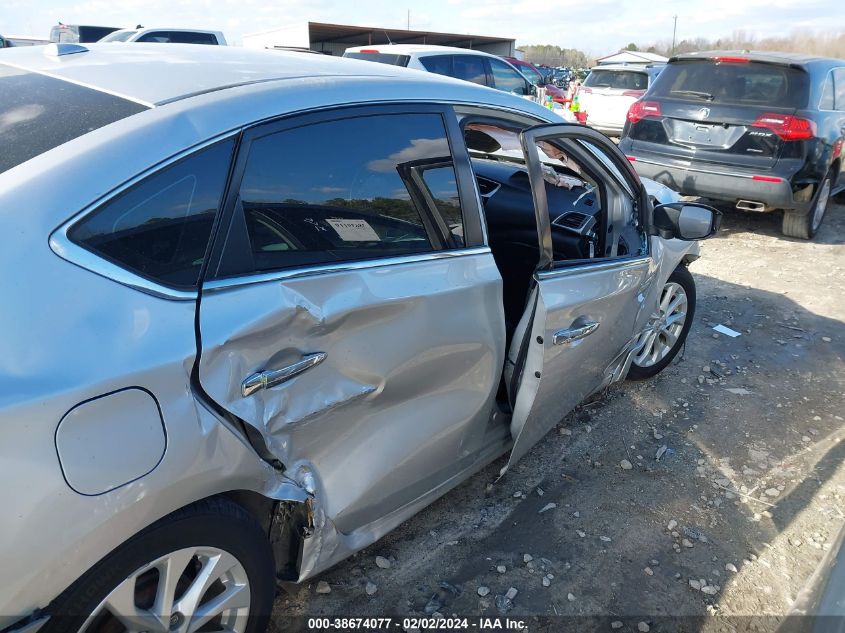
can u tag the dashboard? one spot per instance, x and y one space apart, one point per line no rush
574 213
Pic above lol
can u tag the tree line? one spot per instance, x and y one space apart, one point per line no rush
550 55
825 44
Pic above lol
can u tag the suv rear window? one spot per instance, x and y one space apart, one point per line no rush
618 79
381 58
747 83
38 113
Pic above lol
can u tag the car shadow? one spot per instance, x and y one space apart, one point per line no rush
832 230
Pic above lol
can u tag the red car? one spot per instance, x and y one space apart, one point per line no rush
538 79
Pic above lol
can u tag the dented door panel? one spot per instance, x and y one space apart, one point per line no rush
604 303
402 399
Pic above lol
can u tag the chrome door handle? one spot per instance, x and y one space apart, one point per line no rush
272 377
564 337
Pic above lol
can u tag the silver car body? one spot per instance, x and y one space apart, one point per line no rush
400 410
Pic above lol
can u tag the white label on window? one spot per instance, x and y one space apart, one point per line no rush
354 230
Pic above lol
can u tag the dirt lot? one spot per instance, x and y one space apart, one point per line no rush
751 482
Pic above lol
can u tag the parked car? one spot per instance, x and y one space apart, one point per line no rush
167 36
460 63
79 33
261 309
608 92
562 77
761 131
538 78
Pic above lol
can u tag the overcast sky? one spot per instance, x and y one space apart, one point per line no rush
595 26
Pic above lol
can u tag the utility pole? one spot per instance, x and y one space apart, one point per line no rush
674 31
409 19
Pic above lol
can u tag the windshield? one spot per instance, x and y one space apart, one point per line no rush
38 113
118 36
617 79
747 83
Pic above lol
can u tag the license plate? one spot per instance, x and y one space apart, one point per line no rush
701 134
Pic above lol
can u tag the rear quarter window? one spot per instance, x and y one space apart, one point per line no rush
749 83
160 227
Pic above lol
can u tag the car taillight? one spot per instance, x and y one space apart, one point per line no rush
633 93
368 50
786 126
641 109
730 59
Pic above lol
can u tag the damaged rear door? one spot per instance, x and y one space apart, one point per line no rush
352 317
581 315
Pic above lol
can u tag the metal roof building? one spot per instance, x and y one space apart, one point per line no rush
334 39
632 57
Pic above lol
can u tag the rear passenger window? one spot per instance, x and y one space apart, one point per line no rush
506 78
470 68
440 64
350 189
160 227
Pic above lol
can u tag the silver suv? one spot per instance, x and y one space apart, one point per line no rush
259 308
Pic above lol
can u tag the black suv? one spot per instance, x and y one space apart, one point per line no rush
761 130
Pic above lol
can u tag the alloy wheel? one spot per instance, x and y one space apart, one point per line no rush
656 342
191 590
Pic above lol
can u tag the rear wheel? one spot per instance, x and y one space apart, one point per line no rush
805 225
660 345
208 567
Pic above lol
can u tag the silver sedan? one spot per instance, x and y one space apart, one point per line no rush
259 308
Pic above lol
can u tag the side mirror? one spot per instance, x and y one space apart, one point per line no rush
686 220
530 89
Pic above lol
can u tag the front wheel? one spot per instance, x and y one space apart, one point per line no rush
208 567
659 345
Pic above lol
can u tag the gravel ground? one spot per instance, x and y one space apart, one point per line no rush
732 519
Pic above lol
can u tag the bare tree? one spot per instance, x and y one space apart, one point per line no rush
825 44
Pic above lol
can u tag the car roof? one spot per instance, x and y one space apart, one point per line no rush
772 57
411 49
153 74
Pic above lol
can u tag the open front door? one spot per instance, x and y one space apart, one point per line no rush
582 314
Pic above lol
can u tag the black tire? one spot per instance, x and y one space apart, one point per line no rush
214 522
803 225
683 278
